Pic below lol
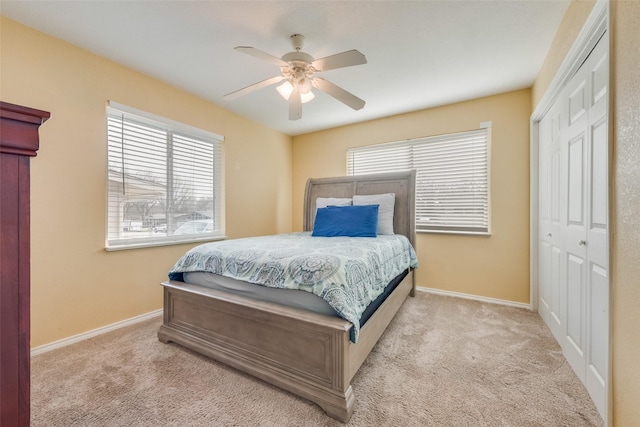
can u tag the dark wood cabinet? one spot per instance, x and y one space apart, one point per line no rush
19 141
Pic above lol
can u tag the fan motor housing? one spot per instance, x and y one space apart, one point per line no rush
293 57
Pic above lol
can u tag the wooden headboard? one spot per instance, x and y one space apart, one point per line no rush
403 184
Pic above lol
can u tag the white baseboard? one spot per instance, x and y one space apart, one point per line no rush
95 332
137 319
475 297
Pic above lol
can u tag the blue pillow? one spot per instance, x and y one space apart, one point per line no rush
350 221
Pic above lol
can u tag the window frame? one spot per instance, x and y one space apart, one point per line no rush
403 155
177 134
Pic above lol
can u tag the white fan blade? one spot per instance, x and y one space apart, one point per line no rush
295 105
257 53
240 92
338 93
339 60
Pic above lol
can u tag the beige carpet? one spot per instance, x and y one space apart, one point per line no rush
443 362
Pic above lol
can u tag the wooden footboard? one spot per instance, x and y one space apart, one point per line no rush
305 353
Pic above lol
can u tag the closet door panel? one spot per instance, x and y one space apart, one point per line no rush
575 331
551 254
557 212
598 328
577 100
556 285
545 279
544 231
599 174
598 155
575 342
599 74
597 358
576 182
599 319
597 236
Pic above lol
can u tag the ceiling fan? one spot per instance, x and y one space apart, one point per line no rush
298 69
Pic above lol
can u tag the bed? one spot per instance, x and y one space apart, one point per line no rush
310 354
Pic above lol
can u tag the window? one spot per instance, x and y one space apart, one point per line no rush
452 185
163 181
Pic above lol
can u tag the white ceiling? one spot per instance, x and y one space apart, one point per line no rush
420 54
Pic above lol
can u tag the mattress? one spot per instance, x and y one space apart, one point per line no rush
288 297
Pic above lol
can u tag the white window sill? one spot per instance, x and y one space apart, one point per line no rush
154 244
461 233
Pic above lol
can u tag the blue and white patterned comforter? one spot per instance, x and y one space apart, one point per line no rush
347 272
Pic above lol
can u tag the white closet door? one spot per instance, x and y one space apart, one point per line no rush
597 240
587 254
575 147
552 293
573 252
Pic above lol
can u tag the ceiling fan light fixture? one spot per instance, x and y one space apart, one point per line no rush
297 70
286 88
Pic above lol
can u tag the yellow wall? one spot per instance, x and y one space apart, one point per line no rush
495 266
625 188
572 22
625 248
75 285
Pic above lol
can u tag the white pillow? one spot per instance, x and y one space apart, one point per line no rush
323 202
386 203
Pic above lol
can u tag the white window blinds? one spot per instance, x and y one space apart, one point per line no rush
163 181
452 184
